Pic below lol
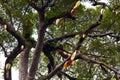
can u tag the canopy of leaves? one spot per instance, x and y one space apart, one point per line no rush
99 51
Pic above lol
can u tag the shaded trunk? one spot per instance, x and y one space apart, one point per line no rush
23 64
36 55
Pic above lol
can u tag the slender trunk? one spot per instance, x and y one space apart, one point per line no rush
23 64
36 57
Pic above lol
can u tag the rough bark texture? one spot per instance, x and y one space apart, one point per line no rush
23 64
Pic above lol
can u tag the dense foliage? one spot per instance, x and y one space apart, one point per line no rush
61 39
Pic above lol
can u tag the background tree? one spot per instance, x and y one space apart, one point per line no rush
73 42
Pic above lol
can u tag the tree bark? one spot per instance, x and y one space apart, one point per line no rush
23 64
36 55
39 46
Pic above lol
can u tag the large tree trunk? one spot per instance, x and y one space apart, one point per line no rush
23 64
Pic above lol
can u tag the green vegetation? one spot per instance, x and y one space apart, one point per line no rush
62 27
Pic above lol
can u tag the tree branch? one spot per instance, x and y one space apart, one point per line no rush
115 36
68 76
5 52
23 63
53 72
59 67
91 27
99 35
78 56
33 5
85 58
9 60
65 15
64 37
16 51
39 45
68 14
12 31
101 3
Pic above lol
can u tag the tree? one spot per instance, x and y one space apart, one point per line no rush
68 33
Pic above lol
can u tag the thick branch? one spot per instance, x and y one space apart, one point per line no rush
39 46
15 34
65 15
59 67
9 60
78 56
43 7
36 56
79 33
12 31
16 51
64 37
53 72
